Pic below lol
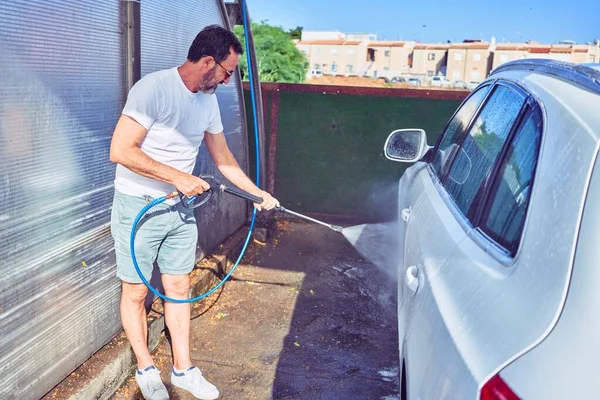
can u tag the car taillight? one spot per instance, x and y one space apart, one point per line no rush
497 389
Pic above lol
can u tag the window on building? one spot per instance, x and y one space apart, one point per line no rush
456 75
350 68
430 73
431 56
351 51
334 51
318 51
317 67
386 68
475 76
386 53
457 56
504 58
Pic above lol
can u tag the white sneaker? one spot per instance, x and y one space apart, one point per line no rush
193 381
151 384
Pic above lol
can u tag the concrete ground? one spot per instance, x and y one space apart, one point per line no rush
304 316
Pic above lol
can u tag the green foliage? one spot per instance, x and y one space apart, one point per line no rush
277 57
296 33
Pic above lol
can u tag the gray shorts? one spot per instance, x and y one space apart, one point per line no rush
167 235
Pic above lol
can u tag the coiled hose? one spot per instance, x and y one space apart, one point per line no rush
159 200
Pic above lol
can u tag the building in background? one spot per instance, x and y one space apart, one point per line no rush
361 54
506 52
388 59
355 54
470 61
429 59
334 57
565 51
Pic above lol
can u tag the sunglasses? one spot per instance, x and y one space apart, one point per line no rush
229 73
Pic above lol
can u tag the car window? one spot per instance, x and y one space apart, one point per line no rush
510 195
482 146
453 133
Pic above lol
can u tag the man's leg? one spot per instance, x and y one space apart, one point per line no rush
134 320
177 318
176 260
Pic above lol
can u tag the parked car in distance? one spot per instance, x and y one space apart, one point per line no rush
398 79
414 81
440 80
459 85
499 284
472 85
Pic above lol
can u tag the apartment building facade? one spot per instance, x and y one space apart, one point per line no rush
469 62
429 59
388 59
336 53
572 52
334 57
355 55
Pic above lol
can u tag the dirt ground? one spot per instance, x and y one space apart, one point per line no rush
305 317
355 81
369 82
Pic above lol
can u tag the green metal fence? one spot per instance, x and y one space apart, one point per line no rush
325 144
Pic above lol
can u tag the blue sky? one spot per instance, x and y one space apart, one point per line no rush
548 21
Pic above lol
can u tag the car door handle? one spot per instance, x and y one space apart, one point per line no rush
411 279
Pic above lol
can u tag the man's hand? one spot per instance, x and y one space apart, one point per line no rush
190 185
269 202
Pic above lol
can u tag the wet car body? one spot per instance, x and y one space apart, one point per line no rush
499 285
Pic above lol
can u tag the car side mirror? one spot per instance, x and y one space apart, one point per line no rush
406 145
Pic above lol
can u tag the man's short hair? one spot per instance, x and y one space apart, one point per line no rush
214 41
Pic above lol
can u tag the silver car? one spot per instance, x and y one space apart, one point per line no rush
499 285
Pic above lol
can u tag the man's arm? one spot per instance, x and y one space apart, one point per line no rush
225 161
125 150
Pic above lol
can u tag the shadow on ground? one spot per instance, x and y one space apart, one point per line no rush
305 317
342 342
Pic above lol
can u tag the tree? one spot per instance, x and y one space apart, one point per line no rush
277 57
296 33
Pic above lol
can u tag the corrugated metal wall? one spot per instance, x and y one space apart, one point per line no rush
61 92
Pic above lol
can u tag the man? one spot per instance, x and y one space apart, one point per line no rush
155 144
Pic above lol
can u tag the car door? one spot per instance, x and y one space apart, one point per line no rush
439 221
423 211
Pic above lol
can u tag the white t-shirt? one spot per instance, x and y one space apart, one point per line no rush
176 120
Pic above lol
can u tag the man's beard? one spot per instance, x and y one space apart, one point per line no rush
208 84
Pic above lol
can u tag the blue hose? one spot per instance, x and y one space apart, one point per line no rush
162 199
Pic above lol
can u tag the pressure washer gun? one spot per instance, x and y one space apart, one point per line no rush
217 186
